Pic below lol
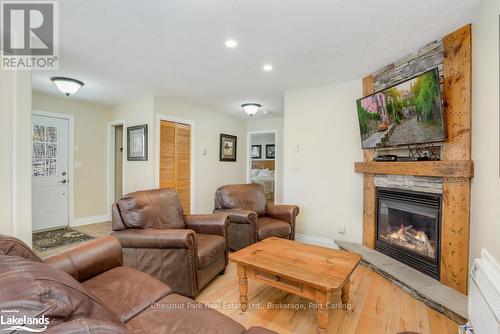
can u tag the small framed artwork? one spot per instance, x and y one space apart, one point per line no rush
256 151
270 151
228 147
137 143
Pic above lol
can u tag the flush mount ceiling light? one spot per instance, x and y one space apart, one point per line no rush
251 108
267 67
231 43
67 86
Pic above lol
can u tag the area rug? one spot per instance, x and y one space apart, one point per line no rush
45 240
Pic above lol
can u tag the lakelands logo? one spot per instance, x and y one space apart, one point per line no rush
11 320
29 35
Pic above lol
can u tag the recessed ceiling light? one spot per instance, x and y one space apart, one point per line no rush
267 67
231 43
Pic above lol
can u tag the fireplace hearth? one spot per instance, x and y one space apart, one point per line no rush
409 227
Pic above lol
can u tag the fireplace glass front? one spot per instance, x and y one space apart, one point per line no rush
408 228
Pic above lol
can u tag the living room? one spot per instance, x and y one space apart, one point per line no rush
280 131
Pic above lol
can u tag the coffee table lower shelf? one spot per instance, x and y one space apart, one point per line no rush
321 297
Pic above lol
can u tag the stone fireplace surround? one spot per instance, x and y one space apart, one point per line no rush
424 184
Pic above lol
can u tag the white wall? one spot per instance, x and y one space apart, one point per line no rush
15 145
321 144
209 173
137 175
90 152
272 124
485 197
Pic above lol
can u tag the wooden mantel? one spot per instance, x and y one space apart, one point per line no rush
452 55
450 169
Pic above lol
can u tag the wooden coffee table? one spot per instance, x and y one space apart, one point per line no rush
312 272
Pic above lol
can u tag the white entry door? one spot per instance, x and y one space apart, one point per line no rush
50 172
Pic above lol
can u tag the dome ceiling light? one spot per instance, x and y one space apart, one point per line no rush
67 86
251 108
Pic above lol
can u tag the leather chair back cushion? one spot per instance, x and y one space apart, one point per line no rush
157 208
15 247
36 289
241 196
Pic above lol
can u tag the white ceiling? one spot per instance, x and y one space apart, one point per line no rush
124 49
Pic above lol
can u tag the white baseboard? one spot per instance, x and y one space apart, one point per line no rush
319 241
90 220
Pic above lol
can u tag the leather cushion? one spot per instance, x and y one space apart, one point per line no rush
126 291
178 314
268 227
259 330
36 289
210 247
157 208
88 326
242 196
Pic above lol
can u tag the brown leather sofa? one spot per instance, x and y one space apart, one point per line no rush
183 251
88 290
251 219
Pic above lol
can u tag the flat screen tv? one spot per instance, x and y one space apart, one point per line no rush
408 113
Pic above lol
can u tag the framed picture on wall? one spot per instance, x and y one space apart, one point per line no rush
227 147
137 143
270 151
256 151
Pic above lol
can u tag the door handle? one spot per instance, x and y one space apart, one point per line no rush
63 181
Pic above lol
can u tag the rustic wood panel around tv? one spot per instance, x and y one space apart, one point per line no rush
456 192
369 191
455 152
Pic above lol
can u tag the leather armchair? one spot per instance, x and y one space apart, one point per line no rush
184 251
251 219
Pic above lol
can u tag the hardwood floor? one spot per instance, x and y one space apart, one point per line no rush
378 306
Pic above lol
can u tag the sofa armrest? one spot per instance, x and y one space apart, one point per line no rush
238 216
156 238
286 213
215 224
14 247
89 259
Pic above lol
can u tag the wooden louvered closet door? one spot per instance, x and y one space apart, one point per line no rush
175 160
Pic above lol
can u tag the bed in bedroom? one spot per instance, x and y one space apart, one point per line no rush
263 174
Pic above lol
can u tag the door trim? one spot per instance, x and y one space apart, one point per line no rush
277 160
71 149
111 163
191 123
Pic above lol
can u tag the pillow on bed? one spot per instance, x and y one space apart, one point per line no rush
265 173
255 172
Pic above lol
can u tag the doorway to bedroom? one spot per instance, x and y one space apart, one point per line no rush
262 162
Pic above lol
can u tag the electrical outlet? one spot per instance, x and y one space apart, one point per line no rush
341 229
